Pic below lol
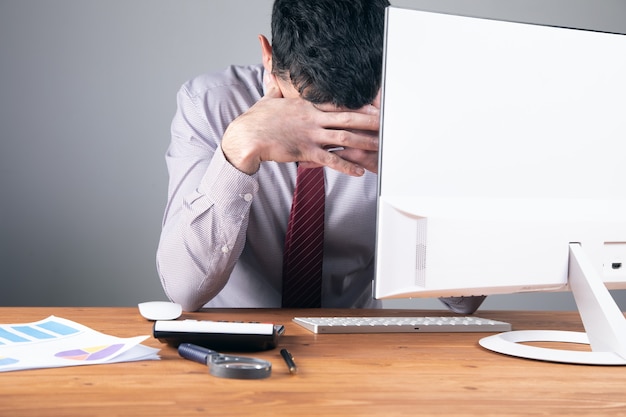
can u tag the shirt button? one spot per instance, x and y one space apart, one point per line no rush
247 197
225 249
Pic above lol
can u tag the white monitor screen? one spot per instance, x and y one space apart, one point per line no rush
502 169
501 144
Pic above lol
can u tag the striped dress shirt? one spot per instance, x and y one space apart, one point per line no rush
223 231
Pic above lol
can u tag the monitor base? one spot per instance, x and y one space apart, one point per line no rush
511 343
604 323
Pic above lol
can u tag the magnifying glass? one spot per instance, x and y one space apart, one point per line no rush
226 366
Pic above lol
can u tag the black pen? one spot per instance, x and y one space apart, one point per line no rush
289 361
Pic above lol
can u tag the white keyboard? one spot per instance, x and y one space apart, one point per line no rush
401 324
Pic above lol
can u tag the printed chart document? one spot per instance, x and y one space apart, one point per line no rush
56 342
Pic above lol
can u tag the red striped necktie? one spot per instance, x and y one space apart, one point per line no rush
304 242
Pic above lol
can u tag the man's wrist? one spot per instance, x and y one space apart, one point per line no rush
243 159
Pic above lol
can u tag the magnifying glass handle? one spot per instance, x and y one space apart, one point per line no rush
195 353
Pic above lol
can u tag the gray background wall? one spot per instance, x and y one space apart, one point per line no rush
87 93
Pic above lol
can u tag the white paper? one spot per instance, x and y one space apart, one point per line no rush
56 342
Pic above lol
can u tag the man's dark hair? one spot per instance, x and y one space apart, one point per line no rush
332 50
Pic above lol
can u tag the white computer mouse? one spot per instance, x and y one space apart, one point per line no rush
160 310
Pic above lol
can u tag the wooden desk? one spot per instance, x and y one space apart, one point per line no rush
339 375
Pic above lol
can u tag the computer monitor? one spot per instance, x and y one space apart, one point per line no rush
503 169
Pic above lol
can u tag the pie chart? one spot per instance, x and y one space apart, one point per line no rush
91 353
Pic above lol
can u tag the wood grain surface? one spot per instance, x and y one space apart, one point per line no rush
437 374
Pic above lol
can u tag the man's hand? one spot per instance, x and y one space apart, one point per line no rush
365 158
295 130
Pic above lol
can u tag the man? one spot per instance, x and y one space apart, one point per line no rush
237 139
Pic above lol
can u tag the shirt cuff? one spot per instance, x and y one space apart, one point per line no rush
228 188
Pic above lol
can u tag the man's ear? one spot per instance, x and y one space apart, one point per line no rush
266 52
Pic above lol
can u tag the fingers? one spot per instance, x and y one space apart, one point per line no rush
355 131
366 118
334 161
350 161
367 110
365 159
358 139
350 121
292 129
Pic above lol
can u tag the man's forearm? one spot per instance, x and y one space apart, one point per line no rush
196 256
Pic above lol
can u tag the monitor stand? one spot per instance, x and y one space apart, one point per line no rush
605 325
